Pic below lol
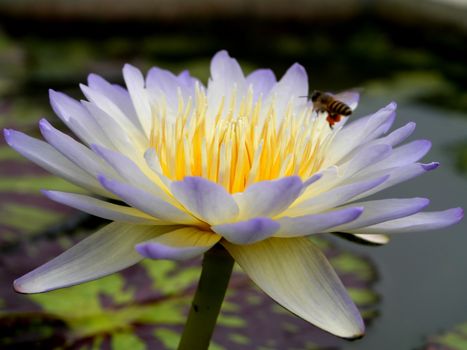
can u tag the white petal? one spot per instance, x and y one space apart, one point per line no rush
293 87
363 239
262 81
268 198
135 83
316 223
247 232
334 197
163 84
206 200
403 155
147 202
415 223
117 116
102 209
296 274
382 210
79 154
120 139
357 132
116 94
50 159
225 73
109 250
374 239
77 118
227 82
396 175
365 157
398 135
182 244
129 171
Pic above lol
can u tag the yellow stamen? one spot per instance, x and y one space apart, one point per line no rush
242 142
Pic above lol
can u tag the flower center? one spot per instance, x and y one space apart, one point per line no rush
236 141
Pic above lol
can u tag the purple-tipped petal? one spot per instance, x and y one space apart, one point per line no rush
403 155
206 200
417 222
79 154
226 69
312 179
262 81
109 250
382 210
298 276
398 135
106 210
268 198
47 157
181 244
163 84
247 232
358 132
105 105
366 157
430 166
135 83
147 202
77 118
292 86
397 175
335 197
316 223
131 172
116 94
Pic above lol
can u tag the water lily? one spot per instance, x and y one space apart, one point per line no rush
244 163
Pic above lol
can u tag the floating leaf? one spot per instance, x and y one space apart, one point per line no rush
455 339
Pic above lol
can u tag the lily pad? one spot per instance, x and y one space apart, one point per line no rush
454 339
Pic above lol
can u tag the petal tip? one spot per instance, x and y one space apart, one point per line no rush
53 93
392 105
104 181
458 215
357 211
7 134
430 166
423 202
44 125
142 249
21 286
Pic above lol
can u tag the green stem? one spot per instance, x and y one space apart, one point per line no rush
215 276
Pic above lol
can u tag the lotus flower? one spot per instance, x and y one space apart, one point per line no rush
244 162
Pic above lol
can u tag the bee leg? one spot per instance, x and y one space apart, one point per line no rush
330 119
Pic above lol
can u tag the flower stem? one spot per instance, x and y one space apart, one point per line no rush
215 276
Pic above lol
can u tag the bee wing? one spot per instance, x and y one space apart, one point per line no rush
350 98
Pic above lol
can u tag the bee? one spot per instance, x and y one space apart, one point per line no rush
325 102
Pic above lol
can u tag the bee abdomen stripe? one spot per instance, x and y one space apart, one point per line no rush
340 108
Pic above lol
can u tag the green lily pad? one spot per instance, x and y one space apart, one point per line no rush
454 339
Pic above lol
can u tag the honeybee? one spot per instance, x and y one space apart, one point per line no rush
335 109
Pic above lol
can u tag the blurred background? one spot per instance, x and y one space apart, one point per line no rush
412 291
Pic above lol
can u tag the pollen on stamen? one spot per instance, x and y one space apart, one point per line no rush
238 142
